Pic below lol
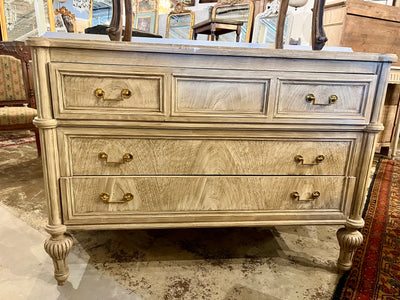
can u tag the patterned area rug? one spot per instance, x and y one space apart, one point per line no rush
375 273
13 140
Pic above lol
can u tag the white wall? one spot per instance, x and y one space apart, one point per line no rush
302 21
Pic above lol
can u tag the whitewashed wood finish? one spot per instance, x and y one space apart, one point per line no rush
352 92
149 45
264 60
219 96
212 139
204 157
51 173
74 86
350 140
205 193
79 91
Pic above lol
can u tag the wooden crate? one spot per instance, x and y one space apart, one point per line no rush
389 116
363 26
369 27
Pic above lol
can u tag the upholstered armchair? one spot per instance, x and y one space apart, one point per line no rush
17 100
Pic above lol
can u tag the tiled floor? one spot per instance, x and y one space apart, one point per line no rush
26 270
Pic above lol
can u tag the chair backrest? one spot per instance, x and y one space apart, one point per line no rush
15 82
238 10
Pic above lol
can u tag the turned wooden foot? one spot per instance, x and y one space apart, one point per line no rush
58 246
349 240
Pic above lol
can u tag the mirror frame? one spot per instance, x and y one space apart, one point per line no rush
3 24
179 10
271 10
144 14
52 21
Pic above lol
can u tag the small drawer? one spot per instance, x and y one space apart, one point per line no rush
99 92
96 155
217 95
105 196
337 98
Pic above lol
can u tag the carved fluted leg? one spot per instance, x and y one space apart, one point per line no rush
58 246
349 240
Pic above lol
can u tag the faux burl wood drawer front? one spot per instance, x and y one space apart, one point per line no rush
325 98
218 95
93 155
100 92
113 195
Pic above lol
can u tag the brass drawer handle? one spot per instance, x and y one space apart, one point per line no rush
125 94
296 196
127 157
311 99
106 198
300 160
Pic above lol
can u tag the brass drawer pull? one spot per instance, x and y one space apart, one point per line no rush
125 94
311 98
296 196
300 160
106 198
127 157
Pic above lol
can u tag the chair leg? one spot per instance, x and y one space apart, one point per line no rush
128 21
37 141
238 31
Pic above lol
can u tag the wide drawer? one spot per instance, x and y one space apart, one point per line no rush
96 155
115 195
103 92
322 97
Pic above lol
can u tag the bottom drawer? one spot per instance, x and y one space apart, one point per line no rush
153 194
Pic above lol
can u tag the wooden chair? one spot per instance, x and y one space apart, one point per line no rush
17 99
228 16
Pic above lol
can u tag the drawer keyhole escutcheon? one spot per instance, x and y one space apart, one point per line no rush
106 198
311 99
296 196
127 157
300 160
125 94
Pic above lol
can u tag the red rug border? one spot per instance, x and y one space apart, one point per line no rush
343 279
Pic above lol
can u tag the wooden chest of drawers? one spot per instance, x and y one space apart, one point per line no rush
156 135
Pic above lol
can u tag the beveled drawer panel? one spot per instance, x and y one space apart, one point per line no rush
113 195
340 97
94 155
97 92
219 96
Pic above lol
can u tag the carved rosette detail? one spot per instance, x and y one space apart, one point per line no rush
179 8
349 240
16 49
58 247
65 12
